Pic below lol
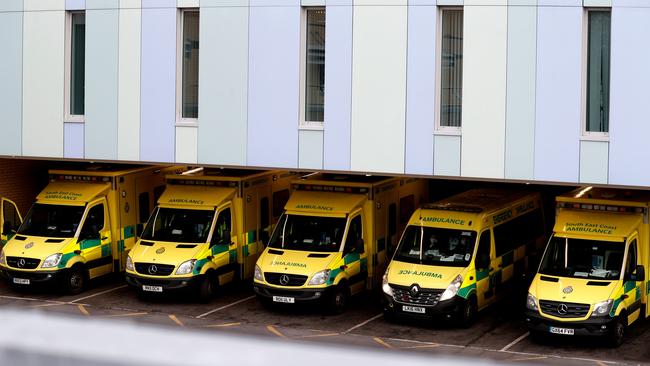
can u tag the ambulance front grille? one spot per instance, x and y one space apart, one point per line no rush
564 309
154 269
422 297
289 280
23 263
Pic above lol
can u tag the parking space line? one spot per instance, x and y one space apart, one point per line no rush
225 307
320 335
97 294
222 325
175 320
82 310
363 323
275 331
381 341
19 298
124 315
520 359
48 304
509 345
432 345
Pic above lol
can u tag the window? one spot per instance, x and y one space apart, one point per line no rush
314 67
484 245
406 208
10 216
280 199
221 234
94 223
355 233
75 66
630 267
522 230
451 68
598 51
188 66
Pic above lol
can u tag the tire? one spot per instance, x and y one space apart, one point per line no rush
75 281
338 301
467 314
617 333
206 288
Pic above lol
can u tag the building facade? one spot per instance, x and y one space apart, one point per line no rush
532 90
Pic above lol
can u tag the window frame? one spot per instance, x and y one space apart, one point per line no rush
69 117
439 128
592 135
180 24
304 124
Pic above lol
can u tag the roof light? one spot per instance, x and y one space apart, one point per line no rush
583 191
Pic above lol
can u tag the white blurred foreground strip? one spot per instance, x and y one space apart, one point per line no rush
32 338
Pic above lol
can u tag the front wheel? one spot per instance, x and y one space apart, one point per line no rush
75 281
468 313
338 301
206 289
616 333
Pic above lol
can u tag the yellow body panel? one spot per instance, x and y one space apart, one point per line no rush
67 193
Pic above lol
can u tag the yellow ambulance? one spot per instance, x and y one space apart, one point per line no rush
460 254
81 226
331 242
592 279
10 219
207 229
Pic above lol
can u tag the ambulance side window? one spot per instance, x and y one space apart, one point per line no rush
630 267
483 251
221 234
10 217
94 223
354 235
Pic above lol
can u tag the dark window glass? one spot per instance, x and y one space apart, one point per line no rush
190 97
355 233
581 258
280 199
315 66
94 222
56 221
308 233
10 215
630 267
522 230
406 208
436 246
221 234
598 72
179 225
264 213
77 63
143 206
451 68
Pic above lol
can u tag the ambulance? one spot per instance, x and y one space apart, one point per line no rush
10 219
333 237
592 279
463 253
207 230
81 226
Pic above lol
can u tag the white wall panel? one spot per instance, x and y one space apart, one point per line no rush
128 126
379 88
446 155
33 5
186 142
43 75
310 149
11 78
594 159
484 91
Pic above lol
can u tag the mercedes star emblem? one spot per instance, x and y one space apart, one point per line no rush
21 263
562 309
568 289
160 250
153 269
29 245
284 280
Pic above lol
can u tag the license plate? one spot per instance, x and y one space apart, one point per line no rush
21 281
152 288
564 331
413 309
284 299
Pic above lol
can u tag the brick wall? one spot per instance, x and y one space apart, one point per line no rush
22 180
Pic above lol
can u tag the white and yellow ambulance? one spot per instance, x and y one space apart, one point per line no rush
332 240
10 220
81 226
458 255
207 230
592 279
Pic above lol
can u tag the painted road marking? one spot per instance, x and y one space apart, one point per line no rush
21 298
320 335
363 323
275 331
175 320
225 307
222 325
432 345
123 315
509 345
520 359
83 310
97 294
381 341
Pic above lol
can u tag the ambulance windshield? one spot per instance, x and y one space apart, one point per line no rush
436 246
52 221
179 225
582 258
308 233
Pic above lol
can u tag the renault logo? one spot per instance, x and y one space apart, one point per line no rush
415 290
153 269
284 280
21 263
567 290
562 309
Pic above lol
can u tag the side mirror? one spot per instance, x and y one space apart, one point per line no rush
482 261
359 248
638 276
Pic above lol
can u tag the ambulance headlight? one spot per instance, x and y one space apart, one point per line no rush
52 261
258 273
186 267
129 263
385 286
531 302
452 289
3 260
602 308
320 277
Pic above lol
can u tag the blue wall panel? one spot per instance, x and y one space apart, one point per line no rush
11 80
629 129
338 87
73 140
559 89
75 4
157 132
273 95
421 89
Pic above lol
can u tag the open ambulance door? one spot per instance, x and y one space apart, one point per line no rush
10 219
